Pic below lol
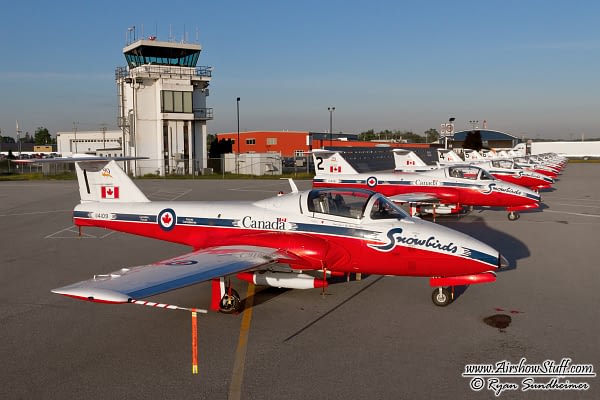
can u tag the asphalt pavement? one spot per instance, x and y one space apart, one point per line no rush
377 338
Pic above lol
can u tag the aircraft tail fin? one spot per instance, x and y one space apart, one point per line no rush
328 162
447 156
105 181
407 158
472 155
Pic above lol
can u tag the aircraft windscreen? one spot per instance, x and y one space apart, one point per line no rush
383 208
464 172
343 203
508 164
485 176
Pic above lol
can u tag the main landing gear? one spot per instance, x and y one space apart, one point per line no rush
442 296
513 216
230 302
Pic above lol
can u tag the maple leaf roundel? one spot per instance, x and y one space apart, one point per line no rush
167 219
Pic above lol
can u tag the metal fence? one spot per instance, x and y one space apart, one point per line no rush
223 166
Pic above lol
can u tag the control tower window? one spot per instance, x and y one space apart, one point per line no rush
176 101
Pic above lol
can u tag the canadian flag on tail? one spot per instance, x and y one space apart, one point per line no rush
335 168
110 192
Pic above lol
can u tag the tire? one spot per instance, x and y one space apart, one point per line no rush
441 299
230 303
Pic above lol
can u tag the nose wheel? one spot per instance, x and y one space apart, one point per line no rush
442 296
513 216
230 302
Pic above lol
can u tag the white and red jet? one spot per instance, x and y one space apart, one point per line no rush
453 187
501 168
293 240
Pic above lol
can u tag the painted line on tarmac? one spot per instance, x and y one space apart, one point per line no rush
237 377
162 195
75 234
572 213
576 205
34 213
252 190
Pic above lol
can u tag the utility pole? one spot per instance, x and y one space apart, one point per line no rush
75 134
103 125
237 156
331 110
19 138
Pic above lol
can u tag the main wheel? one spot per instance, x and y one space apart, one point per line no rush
441 297
230 302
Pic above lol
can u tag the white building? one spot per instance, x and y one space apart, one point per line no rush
90 142
162 111
162 107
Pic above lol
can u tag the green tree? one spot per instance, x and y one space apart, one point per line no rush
473 141
431 135
42 136
367 135
411 137
27 139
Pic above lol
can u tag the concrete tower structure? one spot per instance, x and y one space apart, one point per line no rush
162 107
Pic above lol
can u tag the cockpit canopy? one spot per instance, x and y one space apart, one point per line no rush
507 164
353 203
469 172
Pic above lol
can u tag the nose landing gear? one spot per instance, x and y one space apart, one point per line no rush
513 216
442 296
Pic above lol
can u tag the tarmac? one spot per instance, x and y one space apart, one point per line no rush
375 338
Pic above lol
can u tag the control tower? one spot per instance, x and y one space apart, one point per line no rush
162 107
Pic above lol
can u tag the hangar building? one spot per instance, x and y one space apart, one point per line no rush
489 138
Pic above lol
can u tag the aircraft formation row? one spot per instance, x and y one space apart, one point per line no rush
347 223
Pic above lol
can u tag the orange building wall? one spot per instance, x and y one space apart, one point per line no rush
287 142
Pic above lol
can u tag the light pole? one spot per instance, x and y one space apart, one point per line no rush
473 123
237 162
331 110
19 139
451 123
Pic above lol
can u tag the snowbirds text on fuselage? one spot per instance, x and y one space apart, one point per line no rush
277 241
454 186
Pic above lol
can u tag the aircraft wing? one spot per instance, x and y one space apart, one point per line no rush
134 283
415 198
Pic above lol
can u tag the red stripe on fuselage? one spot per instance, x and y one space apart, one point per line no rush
446 194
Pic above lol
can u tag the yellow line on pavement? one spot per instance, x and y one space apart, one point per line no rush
235 390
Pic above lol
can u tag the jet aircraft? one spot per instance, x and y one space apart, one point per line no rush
292 240
453 186
502 168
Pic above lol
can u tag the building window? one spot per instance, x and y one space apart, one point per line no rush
271 141
299 153
175 101
250 141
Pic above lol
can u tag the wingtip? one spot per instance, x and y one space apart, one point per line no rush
93 294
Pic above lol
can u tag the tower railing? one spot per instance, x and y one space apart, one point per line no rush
202 71
203 113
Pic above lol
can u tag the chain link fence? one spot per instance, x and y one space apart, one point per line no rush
228 165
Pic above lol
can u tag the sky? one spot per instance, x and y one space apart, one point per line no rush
530 68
